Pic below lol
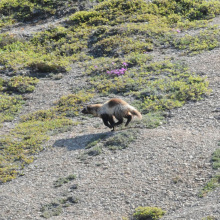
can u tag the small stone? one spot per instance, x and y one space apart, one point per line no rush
74 186
73 199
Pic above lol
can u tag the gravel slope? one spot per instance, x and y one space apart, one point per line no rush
112 185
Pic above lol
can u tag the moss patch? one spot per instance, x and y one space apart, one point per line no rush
9 107
205 40
34 129
94 141
63 180
13 11
209 218
216 159
210 185
152 213
156 86
116 141
102 31
70 105
23 141
55 208
121 140
21 84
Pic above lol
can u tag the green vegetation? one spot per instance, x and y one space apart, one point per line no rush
156 86
210 186
191 10
94 141
9 106
151 213
94 151
116 141
17 148
113 36
216 159
26 139
205 40
21 84
102 31
176 179
52 209
209 218
63 180
1 83
150 120
55 208
70 105
121 140
23 10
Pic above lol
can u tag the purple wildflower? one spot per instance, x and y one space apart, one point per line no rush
125 64
117 72
95 66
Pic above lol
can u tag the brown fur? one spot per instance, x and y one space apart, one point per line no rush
114 102
113 108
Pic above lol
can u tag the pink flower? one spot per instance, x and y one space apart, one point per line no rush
113 63
117 72
95 66
178 31
125 64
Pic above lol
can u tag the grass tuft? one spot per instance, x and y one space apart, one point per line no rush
216 159
210 186
62 180
154 213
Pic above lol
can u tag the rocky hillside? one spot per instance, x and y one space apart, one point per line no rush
162 57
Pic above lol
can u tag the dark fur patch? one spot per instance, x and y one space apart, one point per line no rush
113 102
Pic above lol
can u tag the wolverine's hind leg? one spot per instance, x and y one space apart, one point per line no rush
129 117
120 121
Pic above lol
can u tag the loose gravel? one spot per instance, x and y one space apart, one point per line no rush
165 167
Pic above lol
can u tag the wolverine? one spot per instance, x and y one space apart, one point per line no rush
114 107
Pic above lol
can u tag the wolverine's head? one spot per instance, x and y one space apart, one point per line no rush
91 109
87 110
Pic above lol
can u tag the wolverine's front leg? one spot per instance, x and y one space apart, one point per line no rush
105 119
112 123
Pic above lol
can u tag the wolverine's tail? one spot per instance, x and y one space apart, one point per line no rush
134 111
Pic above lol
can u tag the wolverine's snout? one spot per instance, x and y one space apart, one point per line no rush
84 111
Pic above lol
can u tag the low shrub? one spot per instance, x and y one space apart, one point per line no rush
216 159
63 180
210 186
144 213
9 106
21 84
